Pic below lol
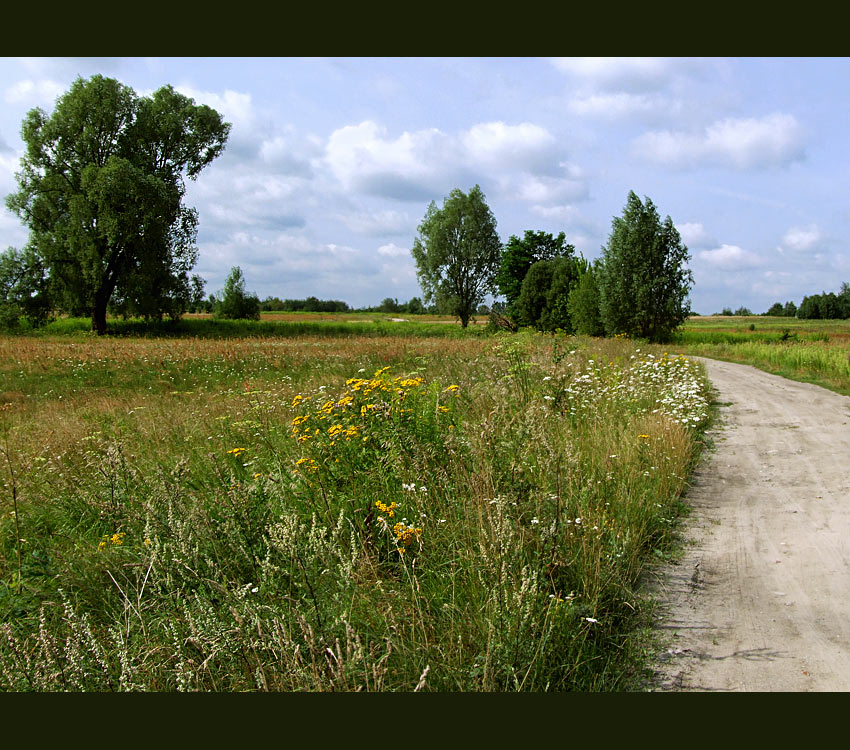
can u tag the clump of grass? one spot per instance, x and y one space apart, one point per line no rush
431 514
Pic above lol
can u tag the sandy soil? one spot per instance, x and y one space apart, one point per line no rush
761 599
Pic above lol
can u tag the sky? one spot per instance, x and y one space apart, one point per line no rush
331 163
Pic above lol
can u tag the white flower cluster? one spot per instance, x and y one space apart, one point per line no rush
667 385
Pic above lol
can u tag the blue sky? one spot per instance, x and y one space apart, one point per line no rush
331 163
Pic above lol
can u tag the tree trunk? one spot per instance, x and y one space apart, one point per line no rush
98 314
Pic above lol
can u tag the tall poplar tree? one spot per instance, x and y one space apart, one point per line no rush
643 281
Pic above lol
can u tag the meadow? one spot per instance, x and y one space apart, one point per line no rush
392 509
813 351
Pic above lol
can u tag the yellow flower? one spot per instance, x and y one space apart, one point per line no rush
388 509
307 463
406 534
236 452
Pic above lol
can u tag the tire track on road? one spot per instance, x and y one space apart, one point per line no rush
761 599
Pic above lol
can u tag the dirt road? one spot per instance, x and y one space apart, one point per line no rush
761 600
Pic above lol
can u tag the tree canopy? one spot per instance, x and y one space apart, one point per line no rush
545 292
583 303
101 188
457 253
235 302
644 282
520 254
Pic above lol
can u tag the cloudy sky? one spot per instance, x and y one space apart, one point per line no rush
331 163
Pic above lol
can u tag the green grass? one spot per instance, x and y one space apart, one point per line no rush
814 351
222 513
269 325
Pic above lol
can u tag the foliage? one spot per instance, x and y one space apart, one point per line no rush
389 305
197 301
101 189
583 304
24 289
826 306
457 253
519 255
235 303
644 282
310 304
545 291
776 310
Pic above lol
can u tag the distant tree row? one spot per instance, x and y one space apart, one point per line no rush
310 304
740 311
824 306
639 287
777 309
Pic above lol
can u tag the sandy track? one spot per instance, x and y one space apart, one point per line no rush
761 600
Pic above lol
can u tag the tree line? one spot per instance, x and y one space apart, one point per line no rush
823 306
101 190
639 287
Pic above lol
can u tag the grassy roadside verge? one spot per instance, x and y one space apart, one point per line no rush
336 513
815 352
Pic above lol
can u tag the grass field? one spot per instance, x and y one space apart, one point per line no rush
815 351
312 509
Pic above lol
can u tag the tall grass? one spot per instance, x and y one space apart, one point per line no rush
336 514
331 327
812 351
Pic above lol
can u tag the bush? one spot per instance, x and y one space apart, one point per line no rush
583 306
235 302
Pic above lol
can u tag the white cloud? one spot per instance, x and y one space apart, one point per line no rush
363 156
730 258
393 251
694 235
614 106
620 73
378 223
286 153
42 92
802 239
544 189
522 160
525 146
233 105
750 143
563 213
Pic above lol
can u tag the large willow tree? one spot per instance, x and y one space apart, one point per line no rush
458 253
101 189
